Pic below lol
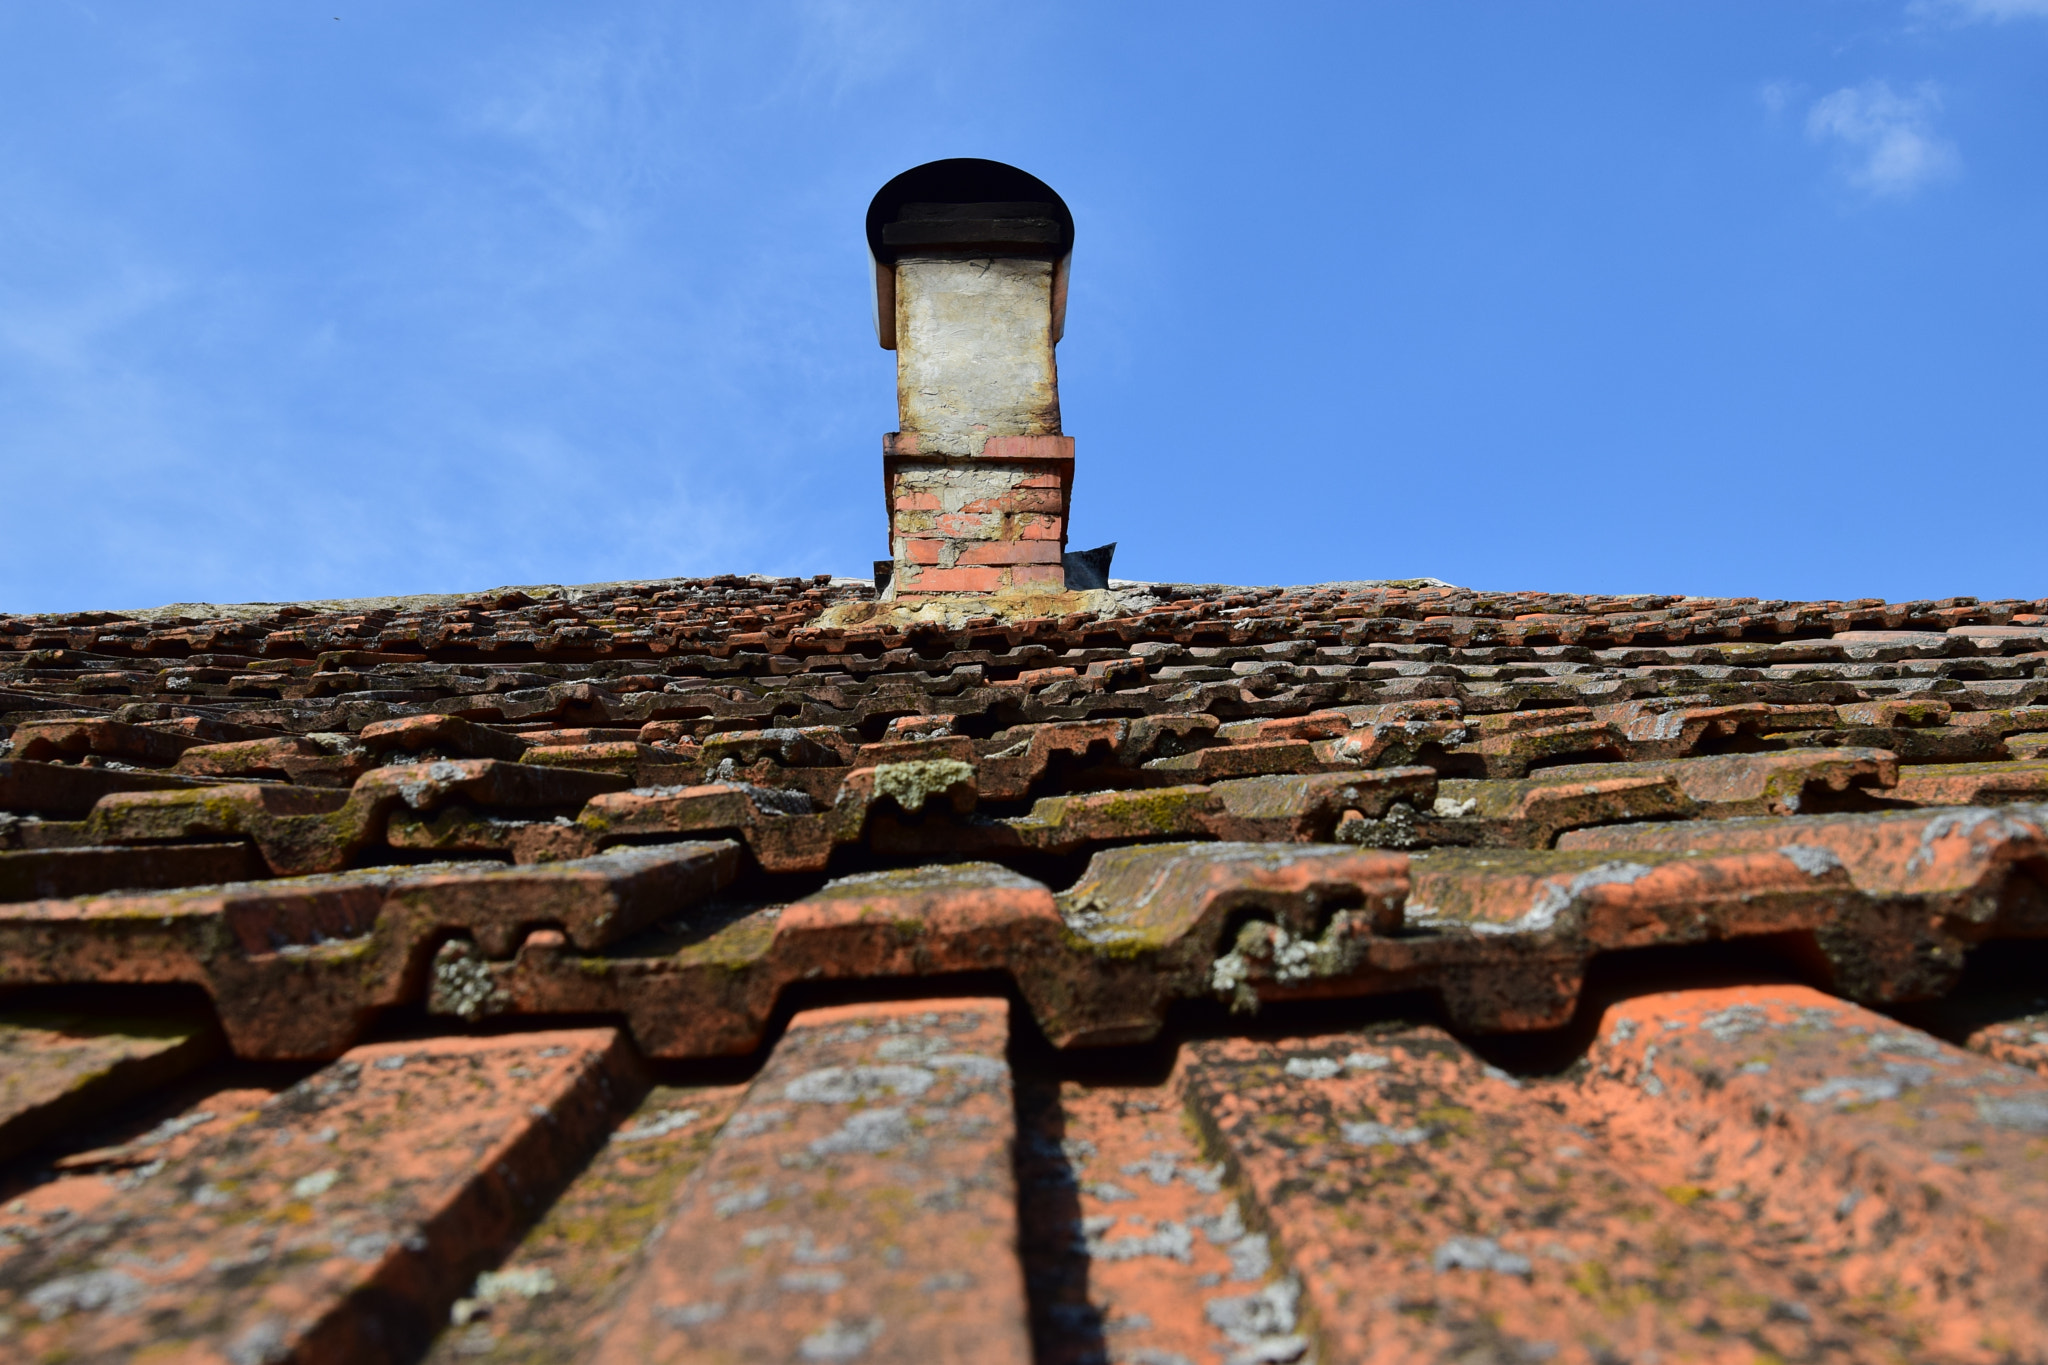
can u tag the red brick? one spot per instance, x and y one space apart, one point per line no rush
1010 552
1028 448
1021 499
967 578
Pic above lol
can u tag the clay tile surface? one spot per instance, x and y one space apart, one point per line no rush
748 968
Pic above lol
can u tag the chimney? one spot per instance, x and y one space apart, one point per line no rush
970 264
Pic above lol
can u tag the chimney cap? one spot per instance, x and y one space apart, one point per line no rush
971 180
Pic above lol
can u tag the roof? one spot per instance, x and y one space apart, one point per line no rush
1389 971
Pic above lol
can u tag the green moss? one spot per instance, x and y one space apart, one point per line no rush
1164 810
736 947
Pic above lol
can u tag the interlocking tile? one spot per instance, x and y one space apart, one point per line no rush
1759 1170
289 758
315 829
297 967
1530 812
56 1069
1974 784
444 736
1134 1240
50 789
550 1299
859 1203
340 1223
52 741
1434 1210
1976 865
1777 783
1187 830
1103 963
1906 1170
1891 901
40 874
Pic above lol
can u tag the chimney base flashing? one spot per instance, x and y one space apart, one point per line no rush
958 610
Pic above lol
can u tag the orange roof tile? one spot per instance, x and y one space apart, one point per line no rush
1356 971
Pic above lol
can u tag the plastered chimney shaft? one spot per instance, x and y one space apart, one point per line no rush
970 283
974 351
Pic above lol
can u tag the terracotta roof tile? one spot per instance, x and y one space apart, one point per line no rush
860 1201
338 1220
1228 895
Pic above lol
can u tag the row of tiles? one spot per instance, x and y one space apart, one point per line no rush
1113 685
1497 744
88 830
1885 905
1472 724
770 612
332 671
2013 651
1733 1174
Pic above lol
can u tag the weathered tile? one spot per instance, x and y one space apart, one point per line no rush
860 1203
549 1299
59 1068
297 967
1436 1208
42 874
339 1223
1907 1172
1135 1244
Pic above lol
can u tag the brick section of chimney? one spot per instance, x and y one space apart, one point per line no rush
978 523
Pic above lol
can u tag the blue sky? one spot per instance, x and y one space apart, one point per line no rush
1716 297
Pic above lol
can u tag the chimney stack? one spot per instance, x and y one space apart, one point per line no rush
970 264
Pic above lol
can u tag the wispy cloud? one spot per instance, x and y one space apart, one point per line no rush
1893 150
1978 11
1776 96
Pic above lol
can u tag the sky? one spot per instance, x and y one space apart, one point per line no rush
1723 298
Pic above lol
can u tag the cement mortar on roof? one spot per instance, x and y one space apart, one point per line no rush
974 355
955 611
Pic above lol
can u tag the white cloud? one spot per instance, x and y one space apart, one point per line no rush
1973 11
1890 137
